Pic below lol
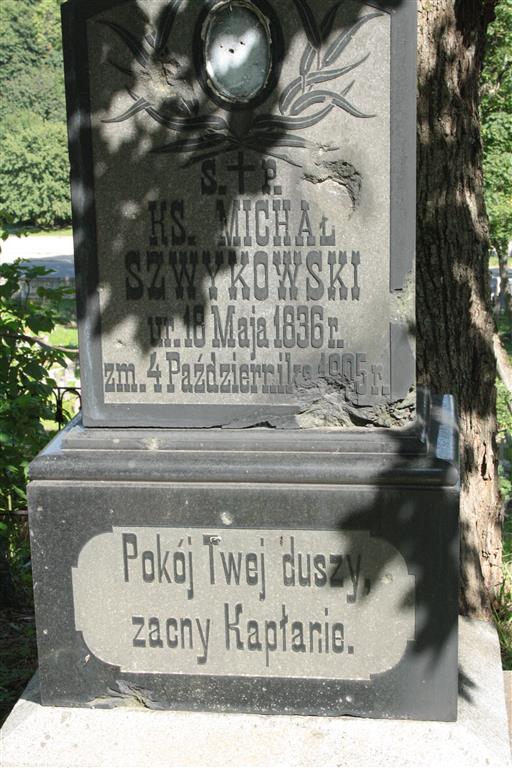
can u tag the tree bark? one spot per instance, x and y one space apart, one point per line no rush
455 324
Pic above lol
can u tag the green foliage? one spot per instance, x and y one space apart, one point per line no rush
26 387
7 227
504 324
503 603
27 399
31 58
503 616
64 336
34 172
504 415
496 113
504 420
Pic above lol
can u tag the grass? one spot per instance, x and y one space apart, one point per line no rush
38 232
503 604
63 232
64 336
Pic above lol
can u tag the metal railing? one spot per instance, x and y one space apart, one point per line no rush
61 417
60 394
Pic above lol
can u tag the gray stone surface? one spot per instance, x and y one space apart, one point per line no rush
247 258
269 615
50 737
345 546
508 698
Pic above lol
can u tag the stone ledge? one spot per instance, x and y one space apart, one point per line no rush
49 737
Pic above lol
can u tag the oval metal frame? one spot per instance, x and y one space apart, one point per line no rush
261 8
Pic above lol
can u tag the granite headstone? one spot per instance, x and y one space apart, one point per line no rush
257 510
244 190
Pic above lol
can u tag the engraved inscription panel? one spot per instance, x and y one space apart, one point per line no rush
270 603
244 245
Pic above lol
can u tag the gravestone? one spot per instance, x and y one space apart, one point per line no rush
245 250
257 510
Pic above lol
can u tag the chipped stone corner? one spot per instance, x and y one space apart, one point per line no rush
325 404
127 695
328 164
332 409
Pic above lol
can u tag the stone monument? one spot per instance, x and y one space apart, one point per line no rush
257 511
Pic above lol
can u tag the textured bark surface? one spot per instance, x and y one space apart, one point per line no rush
455 325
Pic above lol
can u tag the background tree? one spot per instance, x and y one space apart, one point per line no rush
455 325
34 171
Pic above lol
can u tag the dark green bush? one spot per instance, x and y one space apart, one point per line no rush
31 70
27 403
34 170
33 157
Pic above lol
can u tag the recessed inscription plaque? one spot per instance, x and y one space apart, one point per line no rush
238 602
253 221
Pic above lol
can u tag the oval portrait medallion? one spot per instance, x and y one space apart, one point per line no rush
237 53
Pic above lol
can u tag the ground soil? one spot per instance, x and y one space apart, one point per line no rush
18 660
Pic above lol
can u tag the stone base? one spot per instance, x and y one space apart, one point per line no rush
44 737
374 513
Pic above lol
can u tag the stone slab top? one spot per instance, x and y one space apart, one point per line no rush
426 455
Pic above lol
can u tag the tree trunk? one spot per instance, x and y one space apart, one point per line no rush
455 325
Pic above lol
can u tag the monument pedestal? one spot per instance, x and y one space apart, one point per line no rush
39 737
262 571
